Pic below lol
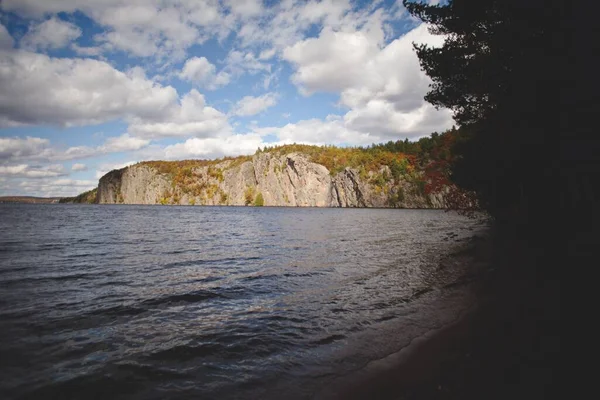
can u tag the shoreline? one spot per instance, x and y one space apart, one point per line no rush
398 373
505 344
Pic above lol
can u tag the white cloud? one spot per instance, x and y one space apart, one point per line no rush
146 28
71 182
245 8
53 33
266 54
41 90
123 143
239 62
215 147
6 41
165 29
79 167
47 187
382 85
74 152
287 22
383 118
315 131
90 51
21 148
37 89
332 62
192 117
250 105
25 171
201 72
14 150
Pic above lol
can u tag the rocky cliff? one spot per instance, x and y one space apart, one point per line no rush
267 178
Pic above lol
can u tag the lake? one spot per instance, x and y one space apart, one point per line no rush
147 302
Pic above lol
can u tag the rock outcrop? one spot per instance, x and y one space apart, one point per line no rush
280 179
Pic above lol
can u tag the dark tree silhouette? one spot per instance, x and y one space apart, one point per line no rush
507 70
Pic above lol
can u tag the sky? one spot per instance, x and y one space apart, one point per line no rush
87 86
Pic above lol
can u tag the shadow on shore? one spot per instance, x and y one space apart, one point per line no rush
506 347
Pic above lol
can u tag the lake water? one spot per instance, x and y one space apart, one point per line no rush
148 302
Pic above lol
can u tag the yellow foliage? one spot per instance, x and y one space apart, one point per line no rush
259 201
336 159
249 195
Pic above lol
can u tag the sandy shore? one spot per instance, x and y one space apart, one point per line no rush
503 346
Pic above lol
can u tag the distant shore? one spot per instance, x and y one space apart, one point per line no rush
29 199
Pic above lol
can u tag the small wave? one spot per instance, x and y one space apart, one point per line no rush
339 310
185 352
282 318
421 292
17 314
58 278
118 311
191 297
207 279
11 270
329 339
113 381
257 277
217 261
83 255
303 274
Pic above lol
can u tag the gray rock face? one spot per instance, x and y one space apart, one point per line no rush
135 185
279 179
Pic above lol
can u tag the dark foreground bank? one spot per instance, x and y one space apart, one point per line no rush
505 346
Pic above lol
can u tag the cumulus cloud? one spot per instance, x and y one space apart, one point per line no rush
250 105
26 171
215 147
145 28
332 130
6 41
21 148
382 85
287 22
47 187
123 143
332 62
116 144
52 33
266 54
37 89
79 167
14 150
192 117
245 8
89 51
74 152
166 29
239 62
199 71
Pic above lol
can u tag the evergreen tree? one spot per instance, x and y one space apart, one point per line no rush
503 71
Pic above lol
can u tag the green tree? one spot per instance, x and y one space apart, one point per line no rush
249 195
497 72
259 201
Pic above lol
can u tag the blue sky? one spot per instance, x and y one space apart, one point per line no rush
92 85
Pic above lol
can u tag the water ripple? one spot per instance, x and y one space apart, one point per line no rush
223 302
